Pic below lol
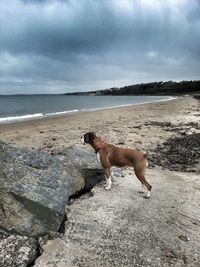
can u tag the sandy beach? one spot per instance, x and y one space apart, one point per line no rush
139 126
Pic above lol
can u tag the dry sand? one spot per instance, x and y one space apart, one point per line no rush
128 126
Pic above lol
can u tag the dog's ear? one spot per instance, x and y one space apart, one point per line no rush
89 137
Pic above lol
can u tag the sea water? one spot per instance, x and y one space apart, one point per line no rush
15 108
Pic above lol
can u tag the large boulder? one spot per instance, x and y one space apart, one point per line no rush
35 186
86 162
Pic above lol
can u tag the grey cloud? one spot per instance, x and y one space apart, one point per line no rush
79 45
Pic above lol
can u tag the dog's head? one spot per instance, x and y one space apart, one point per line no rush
88 138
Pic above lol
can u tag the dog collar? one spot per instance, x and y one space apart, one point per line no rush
100 147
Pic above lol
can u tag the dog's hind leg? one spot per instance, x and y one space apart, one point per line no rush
148 186
140 173
141 191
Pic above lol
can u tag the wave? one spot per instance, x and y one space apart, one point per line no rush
27 117
34 116
62 112
21 118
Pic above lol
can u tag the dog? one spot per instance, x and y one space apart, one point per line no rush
110 155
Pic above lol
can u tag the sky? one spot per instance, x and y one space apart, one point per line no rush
80 45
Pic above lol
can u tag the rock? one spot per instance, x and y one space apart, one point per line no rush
197 96
86 162
183 238
35 186
17 251
121 142
44 239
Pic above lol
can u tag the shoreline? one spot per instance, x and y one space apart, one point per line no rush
74 115
136 126
39 115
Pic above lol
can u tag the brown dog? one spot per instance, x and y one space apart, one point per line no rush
110 155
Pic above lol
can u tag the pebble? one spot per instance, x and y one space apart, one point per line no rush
183 238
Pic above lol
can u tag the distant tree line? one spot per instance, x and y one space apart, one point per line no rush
154 88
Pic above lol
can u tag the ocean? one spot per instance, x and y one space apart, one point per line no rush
14 108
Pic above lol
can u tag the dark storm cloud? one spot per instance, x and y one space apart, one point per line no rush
56 46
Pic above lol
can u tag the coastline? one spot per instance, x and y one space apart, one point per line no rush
130 125
39 114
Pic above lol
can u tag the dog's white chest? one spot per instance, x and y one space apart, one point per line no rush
98 157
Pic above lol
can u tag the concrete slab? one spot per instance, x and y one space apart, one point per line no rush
121 228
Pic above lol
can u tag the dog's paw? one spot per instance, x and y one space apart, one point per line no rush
148 195
107 188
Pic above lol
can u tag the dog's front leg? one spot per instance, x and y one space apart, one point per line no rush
108 179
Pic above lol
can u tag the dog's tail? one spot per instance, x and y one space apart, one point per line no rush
145 156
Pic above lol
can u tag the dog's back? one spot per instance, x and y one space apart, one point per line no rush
121 157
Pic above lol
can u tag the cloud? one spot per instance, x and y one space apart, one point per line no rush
59 46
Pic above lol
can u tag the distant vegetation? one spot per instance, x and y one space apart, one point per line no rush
154 88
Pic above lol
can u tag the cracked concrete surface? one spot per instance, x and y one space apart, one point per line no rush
121 228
